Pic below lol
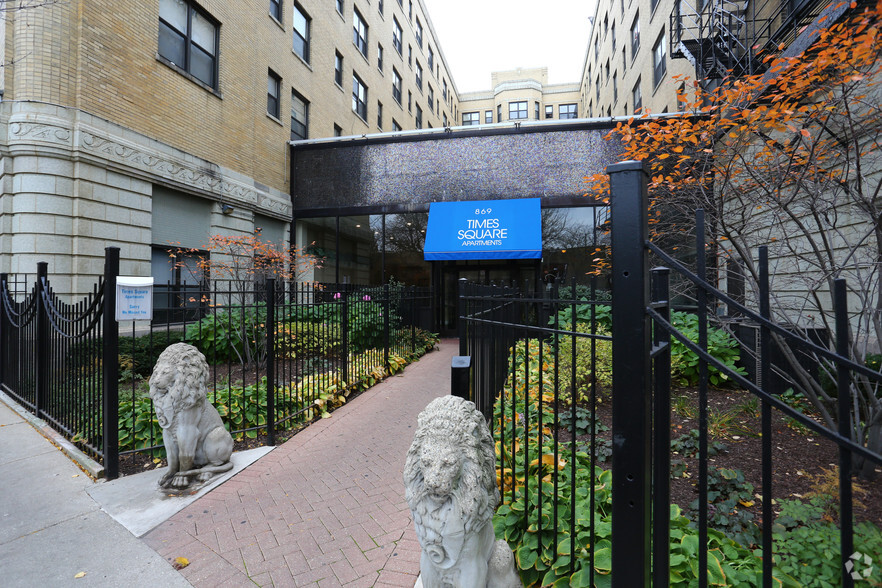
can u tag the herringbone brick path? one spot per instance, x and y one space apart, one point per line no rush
326 508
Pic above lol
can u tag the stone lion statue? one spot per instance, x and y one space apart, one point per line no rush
196 442
450 486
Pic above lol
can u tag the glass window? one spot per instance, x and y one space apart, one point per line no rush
471 118
499 113
338 130
340 6
431 95
613 36
615 86
299 117
517 110
409 56
488 116
638 97
409 101
275 9
404 243
431 59
659 64
419 117
419 32
359 32
567 111
379 57
273 93
396 85
380 6
395 125
318 237
380 115
569 239
549 111
396 35
338 68
360 247
444 91
635 35
445 119
188 40
359 97
419 75
301 33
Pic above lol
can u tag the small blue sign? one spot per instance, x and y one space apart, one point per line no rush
484 229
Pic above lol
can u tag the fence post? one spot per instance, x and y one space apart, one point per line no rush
344 297
270 360
661 486
110 365
460 313
42 382
387 325
846 522
631 475
4 331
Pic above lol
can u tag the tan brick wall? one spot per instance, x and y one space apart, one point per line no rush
101 56
530 85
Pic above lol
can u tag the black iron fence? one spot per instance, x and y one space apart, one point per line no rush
587 486
281 353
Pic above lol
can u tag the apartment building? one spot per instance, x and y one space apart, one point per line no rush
520 95
147 125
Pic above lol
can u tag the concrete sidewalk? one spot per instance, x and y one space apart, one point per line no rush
51 530
326 508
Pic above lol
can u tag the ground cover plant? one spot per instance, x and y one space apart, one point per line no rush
536 452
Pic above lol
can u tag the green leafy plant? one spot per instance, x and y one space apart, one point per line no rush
234 334
577 387
367 324
729 495
684 362
687 445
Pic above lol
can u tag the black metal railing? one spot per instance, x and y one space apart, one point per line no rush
281 353
538 369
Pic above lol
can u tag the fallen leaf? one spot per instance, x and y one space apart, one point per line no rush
80 575
180 563
75 476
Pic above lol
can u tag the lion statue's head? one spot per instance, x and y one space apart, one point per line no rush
178 381
452 458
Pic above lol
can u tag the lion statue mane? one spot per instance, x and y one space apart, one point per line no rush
450 486
196 443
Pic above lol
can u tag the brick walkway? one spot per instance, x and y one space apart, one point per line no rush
326 508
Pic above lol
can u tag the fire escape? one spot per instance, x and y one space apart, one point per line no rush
730 38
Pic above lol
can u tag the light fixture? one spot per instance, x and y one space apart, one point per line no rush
227 209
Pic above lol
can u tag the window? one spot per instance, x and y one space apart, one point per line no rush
597 47
419 117
359 32
301 33
396 35
635 35
409 101
488 117
615 87
409 56
273 90
606 69
380 6
444 91
445 119
624 62
379 57
419 75
299 117
605 25
567 111
396 85
340 6
431 94
395 125
652 5
597 88
380 115
338 69
549 111
275 9
499 113
613 35
419 33
659 65
638 98
470 118
536 111
431 59
517 110
359 97
338 130
410 10
188 39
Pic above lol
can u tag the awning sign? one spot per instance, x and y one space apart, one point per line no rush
484 229
134 298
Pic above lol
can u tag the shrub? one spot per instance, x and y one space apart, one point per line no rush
308 339
684 362
585 369
237 334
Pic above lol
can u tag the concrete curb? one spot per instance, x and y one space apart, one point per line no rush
94 469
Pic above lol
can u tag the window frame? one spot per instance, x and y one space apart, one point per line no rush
418 118
308 32
359 98
397 34
658 73
488 117
419 75
338 68
379 57
189 45
274 94
637 95
549 110
474 119
295 95
359 36
275 9
396 86
419 32
431 57
515 108
635 35
379 115
568 111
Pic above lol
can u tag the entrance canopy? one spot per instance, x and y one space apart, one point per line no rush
484 229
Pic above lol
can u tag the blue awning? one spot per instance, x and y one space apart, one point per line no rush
484 229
